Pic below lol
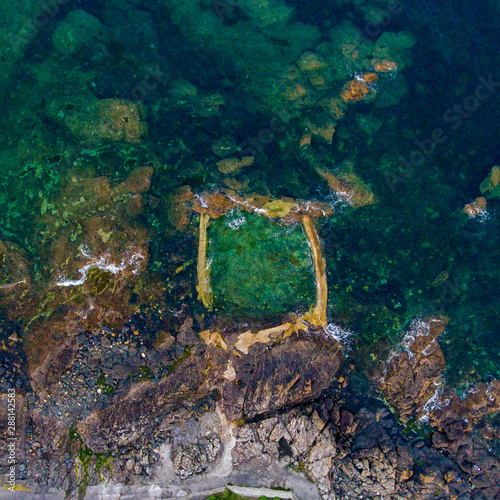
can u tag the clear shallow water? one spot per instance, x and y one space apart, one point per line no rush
259 268
383 261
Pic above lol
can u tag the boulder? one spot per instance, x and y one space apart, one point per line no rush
490 187
412 377
292 372
77 30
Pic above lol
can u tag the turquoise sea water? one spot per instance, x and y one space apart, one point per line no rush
206 70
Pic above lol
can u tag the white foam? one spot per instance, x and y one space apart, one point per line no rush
336 332
130 263
433 402
237 222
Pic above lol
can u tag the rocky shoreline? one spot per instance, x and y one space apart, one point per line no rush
134 364
287 414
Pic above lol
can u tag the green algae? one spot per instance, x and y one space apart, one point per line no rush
259 268
26 189
228 495
103 386
91 463
185 355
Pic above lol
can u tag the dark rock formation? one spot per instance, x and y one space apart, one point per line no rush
413 383
291 373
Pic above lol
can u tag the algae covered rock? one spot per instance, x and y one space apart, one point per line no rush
369 124
259 267
98 121
79 29
490 187
394 46
266 13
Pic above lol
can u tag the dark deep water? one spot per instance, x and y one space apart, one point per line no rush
393 253
417 232
384 261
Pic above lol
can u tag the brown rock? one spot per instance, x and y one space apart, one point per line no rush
53 440
137 182
477 207
178 209
411 377
458 415
383 65
359 88
450 476
186 335
164 340
490 187
334 106
107 120
310 62
46 375
215 204
291 372
349 187
318 82
295 91
305 140
234 165
439 440
348 423
324 131
236 185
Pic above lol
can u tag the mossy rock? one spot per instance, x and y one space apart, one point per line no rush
260 268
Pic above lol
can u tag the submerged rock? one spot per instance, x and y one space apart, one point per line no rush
234 165
97 121
266 13
78 30
490 187
309 62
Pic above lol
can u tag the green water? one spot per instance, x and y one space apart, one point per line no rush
259 268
